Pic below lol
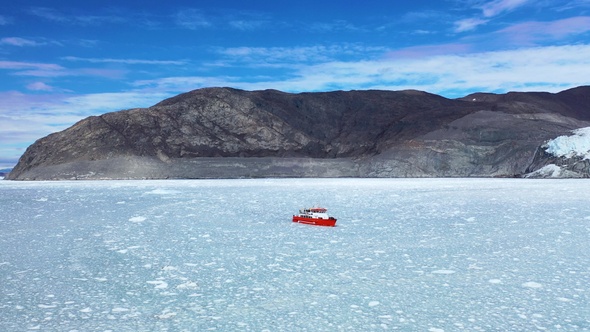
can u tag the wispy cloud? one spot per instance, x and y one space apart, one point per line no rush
420 52
126 61
270 56
247 25
419 16
48 14
53 70
334 26
96 72
5 20
51 14
573 4
246 20
22 42
530 32
197 19
496 7
192 19
17 41
39 86
18 65
489 9
468 24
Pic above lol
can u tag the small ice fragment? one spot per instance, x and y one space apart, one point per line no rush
188 285
166 315
373 303
137 219
532 284
158 284
46 306
443 272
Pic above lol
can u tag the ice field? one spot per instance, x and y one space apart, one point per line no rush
198 255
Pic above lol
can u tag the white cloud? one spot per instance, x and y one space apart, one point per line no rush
54 15
335 26
35 69
48 14
540 68
192 19
17 41
39 86
246 25
497 7
468 24
533 31
573 4
19 65
489 10
126 61
265 56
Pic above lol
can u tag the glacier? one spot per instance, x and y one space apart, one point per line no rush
575 145
198 255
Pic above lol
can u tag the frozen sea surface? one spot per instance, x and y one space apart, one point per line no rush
196 255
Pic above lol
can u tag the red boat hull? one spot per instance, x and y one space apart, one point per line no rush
315 221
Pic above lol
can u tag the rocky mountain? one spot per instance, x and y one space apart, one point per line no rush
224 132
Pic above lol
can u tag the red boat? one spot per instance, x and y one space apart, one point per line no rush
315 216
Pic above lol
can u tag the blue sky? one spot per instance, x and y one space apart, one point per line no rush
63 61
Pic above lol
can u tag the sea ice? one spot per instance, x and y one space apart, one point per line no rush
196 255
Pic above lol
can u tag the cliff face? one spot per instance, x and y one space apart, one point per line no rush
222 132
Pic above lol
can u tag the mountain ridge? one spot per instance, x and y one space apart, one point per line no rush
365 133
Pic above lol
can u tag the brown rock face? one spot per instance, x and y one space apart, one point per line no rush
223 132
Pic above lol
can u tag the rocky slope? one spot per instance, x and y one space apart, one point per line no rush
223 132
